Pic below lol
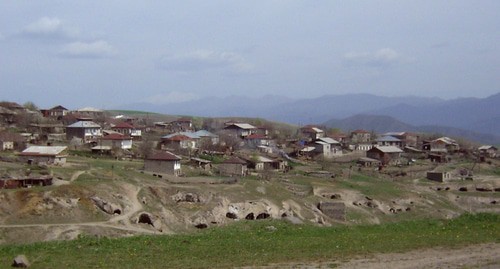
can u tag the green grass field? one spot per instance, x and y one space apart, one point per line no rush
254 243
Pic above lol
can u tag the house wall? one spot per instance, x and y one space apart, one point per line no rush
122 144
438 176
55 160
163 167
6 145
232 169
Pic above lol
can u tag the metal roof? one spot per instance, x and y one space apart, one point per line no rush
44 150
329 140
388 149
84 124
388 138
205 133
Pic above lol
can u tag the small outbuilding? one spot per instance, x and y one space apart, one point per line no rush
233 166
55 155
439 176
163 163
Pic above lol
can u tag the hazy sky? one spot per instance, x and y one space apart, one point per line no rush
105 53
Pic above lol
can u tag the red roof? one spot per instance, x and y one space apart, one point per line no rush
164 156
256 136
123 125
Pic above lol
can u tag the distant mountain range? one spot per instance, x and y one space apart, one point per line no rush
477 117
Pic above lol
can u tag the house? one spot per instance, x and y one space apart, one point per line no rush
389 141
163 163
260 163
205 135
129 129
312 132
44 154
255 140
233 166
241 129
407 138
365 161
182 125
439 176
385 154
363 147
444 144
25 182
488 150
360 136
116 141
327 147
91 112
201 163
88 131
11 141
57 112
181 140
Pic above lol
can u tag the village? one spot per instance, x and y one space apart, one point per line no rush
339 176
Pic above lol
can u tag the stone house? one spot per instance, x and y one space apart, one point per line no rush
129 129
312 132
55 155
88 131
57 112
117 141
163 163
233 166
388 155
360 136
389 141
488 150
241 130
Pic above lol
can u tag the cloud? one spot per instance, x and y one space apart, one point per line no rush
171 97
381 58
49 28
95 49
200 60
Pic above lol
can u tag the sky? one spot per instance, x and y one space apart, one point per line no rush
109 53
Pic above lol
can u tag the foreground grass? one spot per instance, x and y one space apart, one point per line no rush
254 243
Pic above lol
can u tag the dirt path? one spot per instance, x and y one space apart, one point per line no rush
76 175
473 256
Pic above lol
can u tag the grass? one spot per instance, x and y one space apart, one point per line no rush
253 243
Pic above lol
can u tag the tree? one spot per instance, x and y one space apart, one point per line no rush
30 106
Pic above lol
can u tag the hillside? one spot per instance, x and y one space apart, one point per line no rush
382 124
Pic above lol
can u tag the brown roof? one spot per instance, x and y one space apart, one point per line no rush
11 137
234 160
123 125
164 156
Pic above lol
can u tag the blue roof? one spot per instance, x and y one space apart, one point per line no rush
388 138
202 133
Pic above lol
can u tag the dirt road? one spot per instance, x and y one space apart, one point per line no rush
473 256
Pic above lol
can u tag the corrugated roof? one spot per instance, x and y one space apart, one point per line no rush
243 126
84 124
205 133
388 149
43 150
329 140
189 135
388 138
